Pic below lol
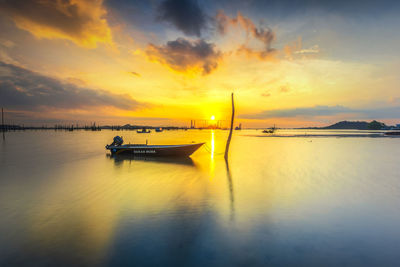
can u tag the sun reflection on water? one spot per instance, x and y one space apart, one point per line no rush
212 159
212 144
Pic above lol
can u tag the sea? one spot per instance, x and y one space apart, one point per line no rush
292 198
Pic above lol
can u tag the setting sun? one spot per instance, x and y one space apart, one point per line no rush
212 117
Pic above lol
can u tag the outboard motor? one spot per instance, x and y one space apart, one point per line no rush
117 141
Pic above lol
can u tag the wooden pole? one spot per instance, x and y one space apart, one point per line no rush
230 131
2 124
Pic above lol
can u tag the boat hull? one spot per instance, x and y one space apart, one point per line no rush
155 151
393 133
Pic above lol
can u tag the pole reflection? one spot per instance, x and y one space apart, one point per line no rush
212 144
231 191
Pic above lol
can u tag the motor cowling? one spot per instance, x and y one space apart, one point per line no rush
117 141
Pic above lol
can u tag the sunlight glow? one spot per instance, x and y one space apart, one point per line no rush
212 117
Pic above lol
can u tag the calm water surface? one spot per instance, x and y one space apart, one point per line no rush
316 201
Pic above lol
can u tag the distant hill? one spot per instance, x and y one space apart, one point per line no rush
357 125
354 125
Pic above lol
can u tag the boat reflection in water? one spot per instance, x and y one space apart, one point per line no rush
118 159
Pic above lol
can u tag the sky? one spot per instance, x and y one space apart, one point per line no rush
165 62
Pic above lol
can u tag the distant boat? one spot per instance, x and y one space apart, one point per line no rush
270 130
238 127
393 133
159 130
144 150
143 131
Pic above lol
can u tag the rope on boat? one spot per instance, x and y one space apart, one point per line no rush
209 150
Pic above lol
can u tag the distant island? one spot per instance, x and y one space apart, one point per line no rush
357 125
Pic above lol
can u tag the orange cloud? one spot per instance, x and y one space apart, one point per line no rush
263 34
262 55
284 88
80 21
266 94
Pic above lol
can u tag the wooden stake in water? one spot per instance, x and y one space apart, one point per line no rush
230 131
2 123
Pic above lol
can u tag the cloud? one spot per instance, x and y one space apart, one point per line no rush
312 50
23 89
134 73
318 111
284 88
82 22
263 34
5 46
296 112
5 57
296 49
262 55
84 118
185 15
7 43
266 94
184 55
381 113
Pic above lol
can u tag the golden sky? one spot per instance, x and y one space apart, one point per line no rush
169 61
